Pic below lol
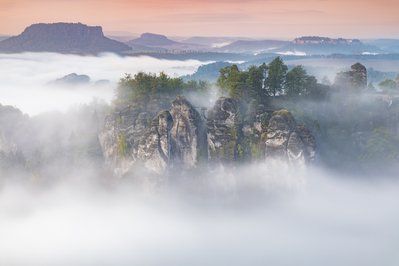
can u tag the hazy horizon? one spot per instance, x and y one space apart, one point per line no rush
254 18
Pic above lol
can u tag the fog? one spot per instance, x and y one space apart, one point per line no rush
59 205
266 214
25 77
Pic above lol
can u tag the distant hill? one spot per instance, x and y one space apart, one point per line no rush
213 42
307 45
313 45
208 72
157 42
62 38
3 37
388 45
151 39
253 46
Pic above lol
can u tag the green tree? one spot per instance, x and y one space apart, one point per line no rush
254 83
231 80
388 85
296 82
275 80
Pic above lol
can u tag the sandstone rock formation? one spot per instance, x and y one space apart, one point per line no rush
181 138
288 141
188 134
175 138
223 122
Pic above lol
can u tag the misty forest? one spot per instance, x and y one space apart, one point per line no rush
162 151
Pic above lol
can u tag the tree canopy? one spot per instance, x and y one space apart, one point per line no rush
143 86
275 80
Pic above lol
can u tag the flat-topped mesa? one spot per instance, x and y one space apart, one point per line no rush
63 29
62 38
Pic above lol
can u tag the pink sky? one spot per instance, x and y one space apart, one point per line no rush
252 18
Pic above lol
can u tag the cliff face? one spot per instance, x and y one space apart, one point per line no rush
155 138
182 138
288 141
62 38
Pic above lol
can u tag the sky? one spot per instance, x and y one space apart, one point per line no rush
247 18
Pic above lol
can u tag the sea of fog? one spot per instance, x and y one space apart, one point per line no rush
250 215
265 213
25 77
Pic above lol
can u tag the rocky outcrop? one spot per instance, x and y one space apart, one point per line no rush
62 38
155 148
285 140
181 138
175 138
188 134
223 128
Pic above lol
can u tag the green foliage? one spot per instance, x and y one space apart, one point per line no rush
276 76
243 84
143 86
296 82
388 85
381 146
122 145
232 80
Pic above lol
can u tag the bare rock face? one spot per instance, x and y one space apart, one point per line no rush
223 122
188 134
120 137
175 138
180 138
155 149
281 125
285 140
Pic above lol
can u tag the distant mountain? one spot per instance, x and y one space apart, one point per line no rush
72 79
3 37
307 45
213 42
151 39
254 46
208 72
62 38
315 45
161 43
388 45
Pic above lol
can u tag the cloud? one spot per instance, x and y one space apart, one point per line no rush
25 77
271 215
